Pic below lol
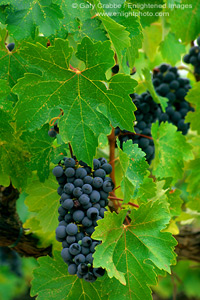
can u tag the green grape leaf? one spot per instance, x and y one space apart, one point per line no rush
13 155
171 49
127 249
185 23
175 202
134 168
5 103
193 181
92 28
149 85
152 39
116 32
146 191
24 17
43 199
39 96
171 150
51 281
39 144
73 12
12 64
194 117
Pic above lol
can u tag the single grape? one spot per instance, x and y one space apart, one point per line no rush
62 223
52 133
77 192
68 204
79 236
72 269
101 212
11 46
81 173
94 244
143 142
78 259
89 277
71 239
108 186
100 173
82 268
97 206
103 195
115 69
78 215
71 229
69 172
68 218
75 249
86 241
78 182
97 182
61 231
62 211
84 199
88 180
89 258
86 222
87 188
95 196
69 162
65 244
58 171
66 254
163 68
68 188
102 161
107 168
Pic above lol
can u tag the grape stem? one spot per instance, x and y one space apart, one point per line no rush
119 199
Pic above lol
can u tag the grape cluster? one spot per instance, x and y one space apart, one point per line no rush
193 57
147 112
11 259
169 84
84 194
53 131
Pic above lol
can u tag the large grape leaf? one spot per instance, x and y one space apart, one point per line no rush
185 23
126 249
134 167
42 152
12 64
171 49
51 281
43 199
13 154
171 150
82 122
24 16
194 117
116 32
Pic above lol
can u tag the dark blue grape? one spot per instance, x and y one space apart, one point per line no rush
89 277
77 192
82 268
101 212
95 196
78 215
80 236
68 204
66 254
97 182
100 173
75 249
65 244
89 258
108 186
11 46
96 164
71 229
61 232
86 241
68 188
88 180
69 172
71 239
72 269
78 182
58 171
52 133
81 173
86 222
87 188
62 211
84 199
104 195
68 218
85 250
78 259
102 161
98 272
69 162
107 168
